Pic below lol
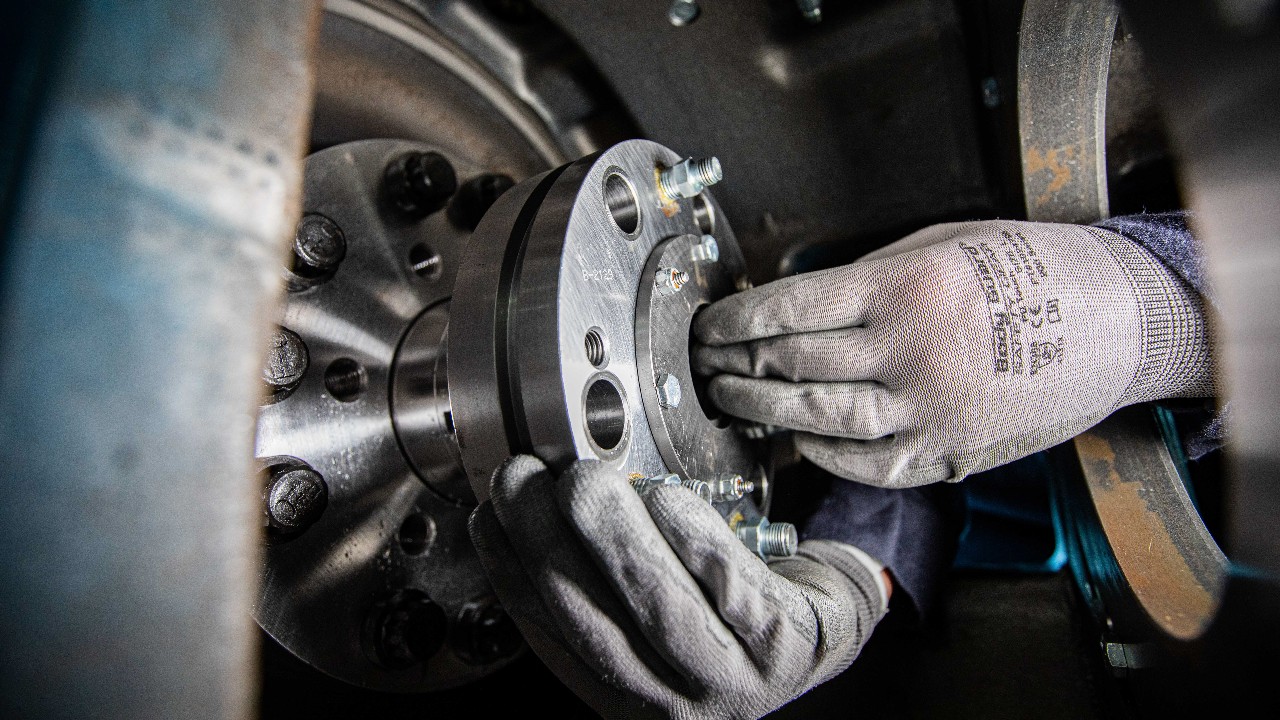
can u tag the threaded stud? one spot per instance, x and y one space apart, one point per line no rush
699 488
707 170
779 540
689 177
768 539
643 485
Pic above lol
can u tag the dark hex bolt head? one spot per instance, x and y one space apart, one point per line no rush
318 247
485 634
406 629
286 363
475 197
419 183
296 497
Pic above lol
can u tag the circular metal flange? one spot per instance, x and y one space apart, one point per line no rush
543 345
361 593
694 440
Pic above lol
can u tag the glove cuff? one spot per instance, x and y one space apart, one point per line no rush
1177 352
866 583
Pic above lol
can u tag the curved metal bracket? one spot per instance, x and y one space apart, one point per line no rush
1170 565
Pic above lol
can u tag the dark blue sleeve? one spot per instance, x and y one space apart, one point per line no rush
913 531
1168 237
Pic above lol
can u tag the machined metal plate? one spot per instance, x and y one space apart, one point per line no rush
545 317
385 529
694 440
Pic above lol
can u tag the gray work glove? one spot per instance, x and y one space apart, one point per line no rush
652 607
957 349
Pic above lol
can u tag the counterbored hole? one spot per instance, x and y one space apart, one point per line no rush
415 534
606 414
704 215
621 200
345 379
424 261
594 344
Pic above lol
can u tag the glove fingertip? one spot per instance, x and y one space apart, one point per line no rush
482 526
734 395
586 485
730 320
512 475
703 359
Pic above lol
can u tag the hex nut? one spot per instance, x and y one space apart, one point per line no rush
767 539
405 629
669 280
484 634
683 12
319 247
730 486
707 250
669 391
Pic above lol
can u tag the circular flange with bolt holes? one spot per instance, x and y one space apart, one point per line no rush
545 335
370 591
693 439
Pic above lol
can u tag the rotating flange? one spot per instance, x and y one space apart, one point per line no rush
568 341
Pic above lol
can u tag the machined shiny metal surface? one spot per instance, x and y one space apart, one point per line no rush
372 417
547 352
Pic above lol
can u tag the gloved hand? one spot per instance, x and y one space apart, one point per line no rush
957 349
653 607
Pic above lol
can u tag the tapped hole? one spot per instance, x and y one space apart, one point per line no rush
424 261
593 343
416 534
345 379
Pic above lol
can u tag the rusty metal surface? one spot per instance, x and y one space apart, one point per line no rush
1170 566
1064 51
139 277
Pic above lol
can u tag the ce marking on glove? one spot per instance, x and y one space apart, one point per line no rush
1038 315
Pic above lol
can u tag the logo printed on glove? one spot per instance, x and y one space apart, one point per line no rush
1010 271
1044 354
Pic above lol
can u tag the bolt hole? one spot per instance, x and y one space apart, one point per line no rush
345 379
621 200
704 216
416 534
425 262
594 344
606 414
